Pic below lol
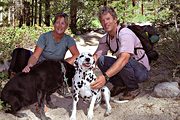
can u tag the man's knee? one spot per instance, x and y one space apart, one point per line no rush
142 77
100 62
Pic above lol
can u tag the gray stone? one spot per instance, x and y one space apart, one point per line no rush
167 90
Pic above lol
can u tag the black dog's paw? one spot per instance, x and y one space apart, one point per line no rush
21 115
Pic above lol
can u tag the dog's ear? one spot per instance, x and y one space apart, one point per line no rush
94 63
76 63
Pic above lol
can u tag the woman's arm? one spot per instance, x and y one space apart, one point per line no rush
33 59
75 53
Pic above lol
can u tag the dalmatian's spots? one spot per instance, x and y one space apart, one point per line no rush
95 93
102 90
75 88
84 76
80 84
75 97
88 79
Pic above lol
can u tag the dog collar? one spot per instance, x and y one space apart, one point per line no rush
106 77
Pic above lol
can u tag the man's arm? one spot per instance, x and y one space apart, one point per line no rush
119 64
114 69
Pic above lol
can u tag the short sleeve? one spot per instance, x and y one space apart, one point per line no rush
70 41
127 43
41 41
102 48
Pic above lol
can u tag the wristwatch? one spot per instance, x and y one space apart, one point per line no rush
106 77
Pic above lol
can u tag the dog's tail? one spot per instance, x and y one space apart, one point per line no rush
118 101
3 105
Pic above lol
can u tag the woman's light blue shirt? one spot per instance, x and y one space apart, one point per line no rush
54 50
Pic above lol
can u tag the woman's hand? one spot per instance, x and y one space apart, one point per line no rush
27 68
33 59
99 83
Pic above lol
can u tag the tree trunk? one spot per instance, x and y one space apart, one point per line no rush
40 12
28 17
133 3
142 8
73 15
32 13
47 12
13 15
20 16
35 15
1 15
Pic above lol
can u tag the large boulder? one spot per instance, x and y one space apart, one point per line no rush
167 90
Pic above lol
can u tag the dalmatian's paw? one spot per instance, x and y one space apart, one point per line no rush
107 113
72 118
90 115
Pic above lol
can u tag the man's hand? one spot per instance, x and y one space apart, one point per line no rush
99 83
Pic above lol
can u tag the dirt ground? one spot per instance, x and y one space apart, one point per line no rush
144 107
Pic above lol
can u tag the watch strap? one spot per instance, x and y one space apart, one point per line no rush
106 76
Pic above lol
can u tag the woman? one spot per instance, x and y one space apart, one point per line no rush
54 44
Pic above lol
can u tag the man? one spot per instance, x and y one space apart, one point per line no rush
127 69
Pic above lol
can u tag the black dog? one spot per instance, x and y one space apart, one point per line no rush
20 57
36 86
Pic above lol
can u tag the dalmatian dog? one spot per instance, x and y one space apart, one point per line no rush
84 76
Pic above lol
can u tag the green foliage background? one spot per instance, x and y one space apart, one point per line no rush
163 12
12 37
154 12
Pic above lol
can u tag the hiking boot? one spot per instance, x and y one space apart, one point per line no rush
116 90
129 95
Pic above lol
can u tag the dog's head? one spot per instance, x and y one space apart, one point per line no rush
85 61
20 57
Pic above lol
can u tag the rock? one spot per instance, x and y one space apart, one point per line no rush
4 66
167 90
178 117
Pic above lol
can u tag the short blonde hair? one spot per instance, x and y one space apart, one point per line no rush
64 15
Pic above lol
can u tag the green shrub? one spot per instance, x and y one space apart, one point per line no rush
12 37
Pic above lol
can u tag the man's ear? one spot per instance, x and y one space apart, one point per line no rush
116 20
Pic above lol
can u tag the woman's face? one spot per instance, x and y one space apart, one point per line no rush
60 25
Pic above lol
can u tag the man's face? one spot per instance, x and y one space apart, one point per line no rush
108 22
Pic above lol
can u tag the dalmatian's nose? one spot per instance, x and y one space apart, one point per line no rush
87 59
